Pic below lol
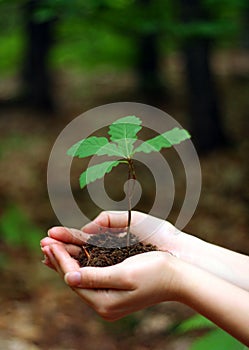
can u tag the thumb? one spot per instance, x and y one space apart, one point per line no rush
110 277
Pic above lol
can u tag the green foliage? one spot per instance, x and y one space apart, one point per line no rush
16 229
216 339
96 172
123 134
87 147
10 53
110 149
136 18
95 48
193 323
125 128
167 139
97 33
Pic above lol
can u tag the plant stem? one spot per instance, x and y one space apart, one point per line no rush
131 175
86 252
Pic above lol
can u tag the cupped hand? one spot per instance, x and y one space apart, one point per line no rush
115 291
71 239
147 228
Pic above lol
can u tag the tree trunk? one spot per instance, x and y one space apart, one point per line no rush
36 78
204 109
148 63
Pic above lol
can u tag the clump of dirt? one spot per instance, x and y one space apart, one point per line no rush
108 249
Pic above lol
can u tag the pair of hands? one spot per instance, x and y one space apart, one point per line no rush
210 279
121 289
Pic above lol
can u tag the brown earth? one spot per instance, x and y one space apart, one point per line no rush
106 249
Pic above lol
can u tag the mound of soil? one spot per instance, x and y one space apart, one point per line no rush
108 249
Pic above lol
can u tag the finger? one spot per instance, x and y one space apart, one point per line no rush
47 263
72 249
107 219
110 277
52 260
48 241
65 262
142 225
68 235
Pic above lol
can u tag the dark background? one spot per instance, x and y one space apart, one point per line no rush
60 58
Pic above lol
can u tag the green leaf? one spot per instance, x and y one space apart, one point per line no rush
125 128
18 230
193 323
110 149
125 147
165 140
96 172
130 119
124 132
217 340
176 135
87 147
122 148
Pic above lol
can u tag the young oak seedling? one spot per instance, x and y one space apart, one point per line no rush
123 135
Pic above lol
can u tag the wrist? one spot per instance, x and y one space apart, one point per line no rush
185 247
174 288
187 280
216 299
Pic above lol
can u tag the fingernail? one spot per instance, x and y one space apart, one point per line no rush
51 230
73 278
44 260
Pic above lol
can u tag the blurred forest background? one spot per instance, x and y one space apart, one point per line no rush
57 60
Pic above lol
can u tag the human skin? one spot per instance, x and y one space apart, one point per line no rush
210 279
221 262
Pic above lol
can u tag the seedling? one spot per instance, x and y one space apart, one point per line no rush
122 145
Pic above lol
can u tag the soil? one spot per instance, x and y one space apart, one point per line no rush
108 249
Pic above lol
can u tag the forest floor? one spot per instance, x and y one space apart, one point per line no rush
38 311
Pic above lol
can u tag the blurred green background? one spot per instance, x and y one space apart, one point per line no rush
60 58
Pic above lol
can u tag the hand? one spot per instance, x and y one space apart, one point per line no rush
150 278
223 263
147 228
115 291
71 239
